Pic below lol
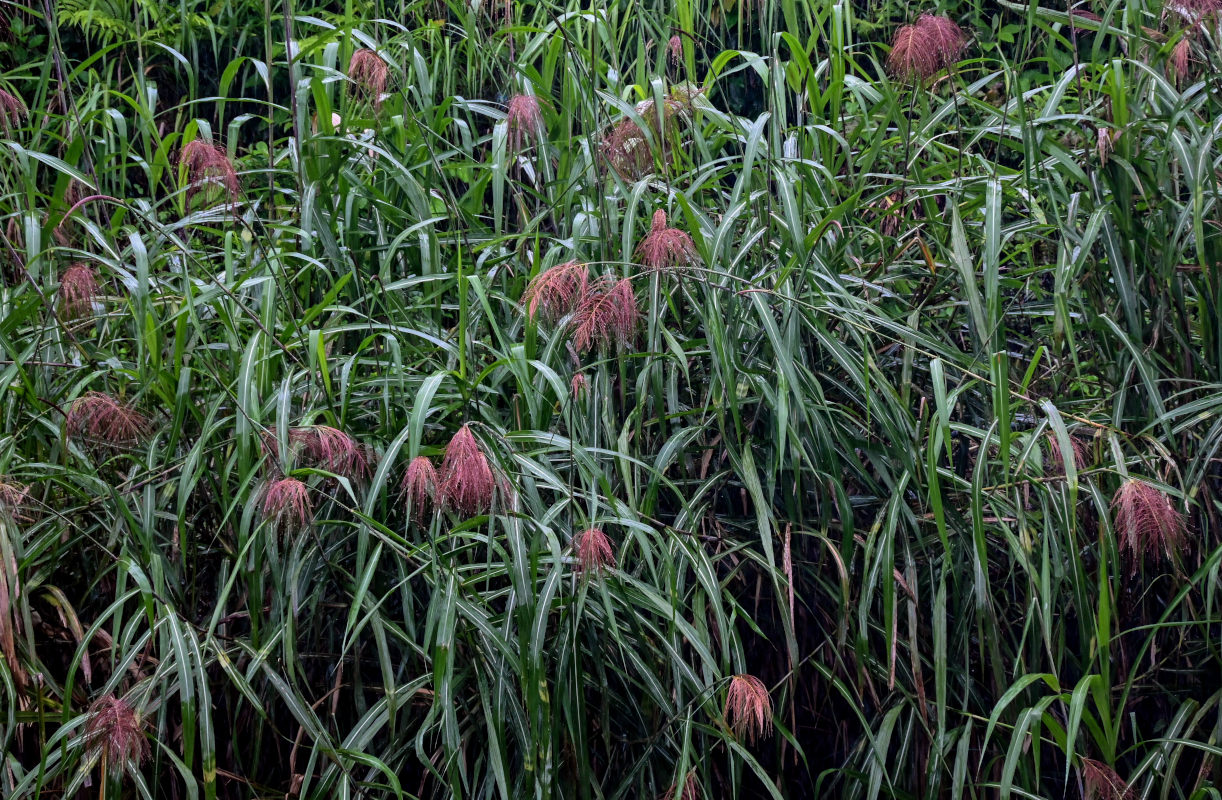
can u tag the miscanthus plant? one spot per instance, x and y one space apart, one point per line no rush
694 400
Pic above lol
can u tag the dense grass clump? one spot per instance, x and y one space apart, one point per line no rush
499 400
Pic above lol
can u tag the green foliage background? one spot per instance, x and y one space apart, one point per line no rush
825 460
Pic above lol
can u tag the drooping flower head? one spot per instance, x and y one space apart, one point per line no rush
208 164
924 48
748 709
370 72
608 315
333 450
665 247
100 418
1101 782
1056 459
286 501
1146 523
523 121
117 731
625 148
12 499
419 486
78 291
467 482
674 50
12 109
580 386
593 550
690 789
1180 60
557 291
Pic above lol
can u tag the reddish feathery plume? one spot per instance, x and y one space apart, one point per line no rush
420 486
78 291
100 418
626 150
580 386
558 291
665 247
674 50
12 497
1180 61
11 110
1101 782
370 72
945 37
117 731
593 551
467 482
1056 459
748 709
1146 522
690 790
206 163
607 315
333 450
922 49
523 121
287 501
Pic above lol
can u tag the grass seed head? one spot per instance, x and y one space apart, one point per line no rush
580 386
523 121
467 482
1079 449
99 418
665 247
1146 523
1101 782
206 164
922 49
748 709
1180 61
12 110
333 450
117 731
13 496
608 315
625 149
370 72
593 550
419 486
689 791
558 291
674 50
286 501
78 291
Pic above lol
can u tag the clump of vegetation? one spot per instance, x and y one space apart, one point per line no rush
811 399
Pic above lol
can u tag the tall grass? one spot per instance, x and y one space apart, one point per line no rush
899 480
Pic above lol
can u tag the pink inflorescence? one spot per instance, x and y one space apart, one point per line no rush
78 291
593 550
665 247
748 709
1146 522
117 731
466 480
523 121
608 314
11 110
12 499
208 164
333 450
100 418
287 502
924 48
419 486
1101 782
557 291
370 72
